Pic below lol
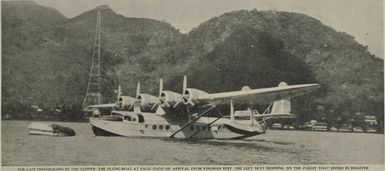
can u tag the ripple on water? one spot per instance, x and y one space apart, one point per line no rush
275 147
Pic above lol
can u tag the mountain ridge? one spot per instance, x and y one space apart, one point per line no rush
256 48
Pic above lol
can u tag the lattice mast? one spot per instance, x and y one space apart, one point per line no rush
93 95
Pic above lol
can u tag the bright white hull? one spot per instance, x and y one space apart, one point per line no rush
118 128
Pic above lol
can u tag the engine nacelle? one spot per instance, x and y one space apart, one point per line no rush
245 88
126 101
169 98
146 101
191 95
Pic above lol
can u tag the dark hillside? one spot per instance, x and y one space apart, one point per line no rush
47 64
136 46
24 28
23 13
46 61
262 48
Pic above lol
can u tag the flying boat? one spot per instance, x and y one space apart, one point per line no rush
195 113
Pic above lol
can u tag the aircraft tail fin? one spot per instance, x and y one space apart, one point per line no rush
281 106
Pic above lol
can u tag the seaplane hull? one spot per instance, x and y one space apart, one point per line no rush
173 115
198 130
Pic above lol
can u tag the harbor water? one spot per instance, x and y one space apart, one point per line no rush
274 147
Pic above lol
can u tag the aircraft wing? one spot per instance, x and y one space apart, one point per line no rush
246 113
260 96
108 105
270 116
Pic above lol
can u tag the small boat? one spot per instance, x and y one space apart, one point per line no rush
50 130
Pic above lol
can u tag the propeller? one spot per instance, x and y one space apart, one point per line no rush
119 92
184 97
137 93
231 110
161 99
251 114
160 86
137 89
137 101
136 105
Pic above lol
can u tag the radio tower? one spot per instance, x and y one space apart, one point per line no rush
93 95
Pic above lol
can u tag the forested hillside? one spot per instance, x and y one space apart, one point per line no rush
46 61
262 48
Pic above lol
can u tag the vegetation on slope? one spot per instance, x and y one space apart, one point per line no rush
46 61
262 48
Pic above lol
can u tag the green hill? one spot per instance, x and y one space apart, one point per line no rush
46 61
262 48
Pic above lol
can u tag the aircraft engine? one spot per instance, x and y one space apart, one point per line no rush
169 98
245 88
191 95
126 101
146 101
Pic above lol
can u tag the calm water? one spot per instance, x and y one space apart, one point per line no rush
275 147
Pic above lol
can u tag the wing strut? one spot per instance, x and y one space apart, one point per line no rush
252 120
231 110
208 124
192 121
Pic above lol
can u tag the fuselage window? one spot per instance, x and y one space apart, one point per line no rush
160 127
154 127
127 118
167 127
146 126
133 119
140 118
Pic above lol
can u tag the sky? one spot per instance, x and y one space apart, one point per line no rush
363 19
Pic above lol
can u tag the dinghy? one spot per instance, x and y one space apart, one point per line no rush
50 130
